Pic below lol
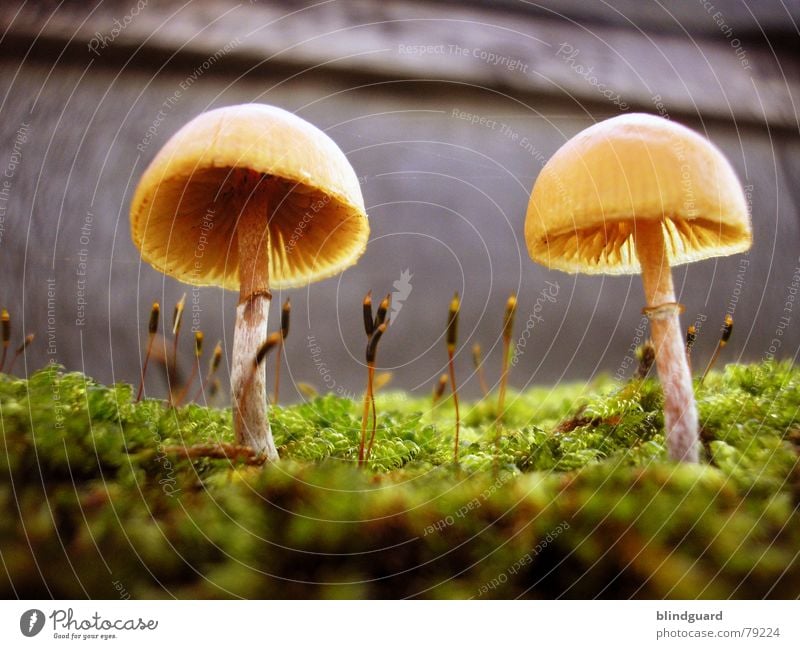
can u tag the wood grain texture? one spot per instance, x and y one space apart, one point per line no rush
525 53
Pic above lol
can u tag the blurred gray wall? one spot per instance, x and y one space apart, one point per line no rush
447 146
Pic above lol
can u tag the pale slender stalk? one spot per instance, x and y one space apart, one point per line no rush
451 366
680 411
364 415
248 388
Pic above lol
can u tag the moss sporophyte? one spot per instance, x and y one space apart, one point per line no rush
374 329
146 485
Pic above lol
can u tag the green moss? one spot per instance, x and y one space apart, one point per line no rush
572 497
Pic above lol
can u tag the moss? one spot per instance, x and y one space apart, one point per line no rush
571 497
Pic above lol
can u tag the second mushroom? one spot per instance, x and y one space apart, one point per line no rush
639 193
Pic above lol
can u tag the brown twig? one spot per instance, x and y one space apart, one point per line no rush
219 451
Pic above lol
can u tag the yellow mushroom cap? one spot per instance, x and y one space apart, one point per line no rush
587 199
183 216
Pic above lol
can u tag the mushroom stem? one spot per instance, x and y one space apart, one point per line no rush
680 411
249 393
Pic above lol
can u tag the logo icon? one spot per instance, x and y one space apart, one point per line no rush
31 622
402 289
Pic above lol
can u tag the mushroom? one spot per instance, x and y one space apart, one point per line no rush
249 198
638 194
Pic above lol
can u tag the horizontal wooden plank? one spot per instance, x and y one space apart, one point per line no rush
525 54
776 18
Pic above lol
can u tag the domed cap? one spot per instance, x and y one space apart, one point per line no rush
588 198
184 211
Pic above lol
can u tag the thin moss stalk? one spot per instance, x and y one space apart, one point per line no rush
508 330
452 341
198 353
172 364
213 366
6 333
477 362
152 330
21 350
725 335
286 313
